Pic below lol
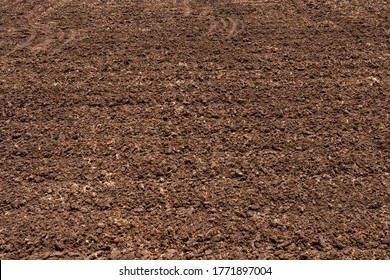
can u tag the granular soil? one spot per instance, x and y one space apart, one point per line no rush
194 129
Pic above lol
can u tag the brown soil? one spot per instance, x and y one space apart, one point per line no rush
194 129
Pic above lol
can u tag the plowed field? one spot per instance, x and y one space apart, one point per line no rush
195 129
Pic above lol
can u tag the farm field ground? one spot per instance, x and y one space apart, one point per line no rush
194 129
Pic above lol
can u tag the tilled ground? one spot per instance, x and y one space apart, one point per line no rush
194 129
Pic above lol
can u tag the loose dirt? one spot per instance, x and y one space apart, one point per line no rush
194 129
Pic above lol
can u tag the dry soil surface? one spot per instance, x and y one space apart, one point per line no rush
194 129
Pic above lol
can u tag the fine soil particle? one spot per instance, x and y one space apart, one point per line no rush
194 129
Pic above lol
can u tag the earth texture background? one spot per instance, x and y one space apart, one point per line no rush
194 129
